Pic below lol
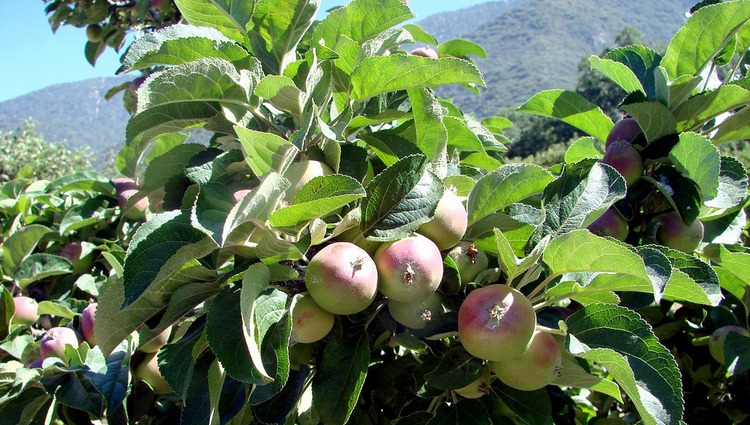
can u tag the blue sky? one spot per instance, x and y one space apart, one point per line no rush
32 57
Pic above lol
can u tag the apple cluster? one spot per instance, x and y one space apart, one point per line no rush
648 220
496 323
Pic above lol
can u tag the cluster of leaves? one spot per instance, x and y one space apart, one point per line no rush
25 153
276 87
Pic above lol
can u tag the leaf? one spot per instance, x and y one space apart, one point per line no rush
266 152
22 408
161 247
360 20
571 108
273 327
692 114
508 184
573 375
655 119
210 211
319 197
82 180
111 375
278 27
384 74
584 148
169 164
20 244
697 158
658 268
41 266
461 48
733 128
282 92
399 199
641 61
466 411
7 309
621 341
456 369
617 72
197 409
277 409
178 44
224 330
177 360
55 309
706 32
432 134
737 354
203 80
231 18
582 192
420 34
254 209
530 407
698 282
733 269
733 184
340 376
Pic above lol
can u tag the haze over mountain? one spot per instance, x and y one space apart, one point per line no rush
532 45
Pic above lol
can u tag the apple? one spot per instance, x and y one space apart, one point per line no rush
155 344
125 189
674 233
449 224
416 315
148 372
342 278
537 367
496 322
612 224
469 259
300 173
94 33
480 387
81 262
310 322
355 236
26 311
624 158
719 336
627 129
54 341
409 269
426 52
87 323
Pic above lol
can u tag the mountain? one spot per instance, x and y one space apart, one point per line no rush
531 45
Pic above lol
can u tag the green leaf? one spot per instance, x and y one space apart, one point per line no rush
733 184
55 309
319 197
40 266
697 281
658 268
19 244
254 209
621 341
178 44
399 199
384 74
692 114
697 158
231 18
282 92
641 61
654 118
733 269
83 180
7 308
508 184
210 211
22 408
432 135
266 152
737 354
390 147
573 375
584 148
583 191
571 108
466 411
273 327
278 27
456 369
110 376
530 407
461 48
340 376
420 34
197 409
224 330
360 20
255 280
160 248
203 80
177 360
734 128
168 165
706 32
617 72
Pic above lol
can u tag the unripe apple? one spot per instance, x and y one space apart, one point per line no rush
155 344
26 311
478 388
310 322
496 323
626 129
611 223
418 314
449 224
300 173
126 188
427 52
537 367
74 253
674 233
469 259
87 323
624 158
410 269
94 33
355 236
300 354
719 336
148 372
54 341
342 278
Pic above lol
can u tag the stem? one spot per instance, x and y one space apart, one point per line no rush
268 123
541 286
550 330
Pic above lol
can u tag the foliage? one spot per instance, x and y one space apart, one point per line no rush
220 256
26 153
